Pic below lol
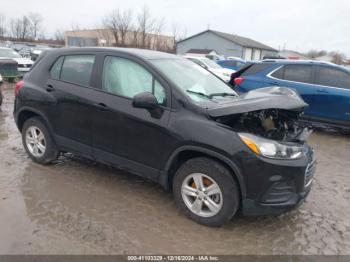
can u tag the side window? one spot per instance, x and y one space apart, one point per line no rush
127 78
298 73
328 76
77 69
279 73
56 68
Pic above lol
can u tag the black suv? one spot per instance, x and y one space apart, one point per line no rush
165 118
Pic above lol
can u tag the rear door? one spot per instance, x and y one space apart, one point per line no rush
69 84
333 94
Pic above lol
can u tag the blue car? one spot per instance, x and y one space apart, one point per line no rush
324 86
233 64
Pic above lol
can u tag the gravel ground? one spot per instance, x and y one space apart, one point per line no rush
76 206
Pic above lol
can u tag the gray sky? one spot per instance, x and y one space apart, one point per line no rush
300 24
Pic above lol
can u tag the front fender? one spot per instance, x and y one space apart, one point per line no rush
164 176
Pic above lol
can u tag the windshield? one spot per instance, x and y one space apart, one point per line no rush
192 79
8 53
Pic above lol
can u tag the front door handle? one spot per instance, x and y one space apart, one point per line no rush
50 88
102 107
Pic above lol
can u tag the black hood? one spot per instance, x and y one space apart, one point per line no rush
259 99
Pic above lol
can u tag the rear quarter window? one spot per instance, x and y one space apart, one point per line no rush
56 68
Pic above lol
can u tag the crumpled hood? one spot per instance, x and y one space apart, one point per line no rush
259 99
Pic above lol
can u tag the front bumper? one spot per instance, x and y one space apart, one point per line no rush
280 187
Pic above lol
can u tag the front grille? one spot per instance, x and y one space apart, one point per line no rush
309 173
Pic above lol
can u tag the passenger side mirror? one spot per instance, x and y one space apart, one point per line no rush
145 100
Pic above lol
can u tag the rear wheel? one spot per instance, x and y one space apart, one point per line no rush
38 142
206 192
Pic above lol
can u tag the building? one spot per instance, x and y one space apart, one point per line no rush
201 52
290 54
226 45
107 37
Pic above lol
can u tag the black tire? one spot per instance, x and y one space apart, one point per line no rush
51 153
224 179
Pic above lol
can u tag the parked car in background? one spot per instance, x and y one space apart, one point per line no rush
324 86
8 69
162 117
24 64
21 48
214 57
219 71
234 58
37 50
232 64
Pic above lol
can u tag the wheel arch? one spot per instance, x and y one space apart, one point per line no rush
26 113
184 153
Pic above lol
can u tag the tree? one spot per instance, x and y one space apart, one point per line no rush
119 22
59 36
145 26
338 58
35 23
20 28
3 30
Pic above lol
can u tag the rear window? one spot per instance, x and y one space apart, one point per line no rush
74 69
256 68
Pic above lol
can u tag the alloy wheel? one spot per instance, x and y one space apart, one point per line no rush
35 141
202 195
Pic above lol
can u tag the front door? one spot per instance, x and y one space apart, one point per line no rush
123 135
333 94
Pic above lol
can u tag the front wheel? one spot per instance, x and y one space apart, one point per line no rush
206 192
38 142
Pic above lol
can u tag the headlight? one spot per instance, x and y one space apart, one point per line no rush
270 148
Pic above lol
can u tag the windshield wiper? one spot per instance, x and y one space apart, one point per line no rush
198 93
221 94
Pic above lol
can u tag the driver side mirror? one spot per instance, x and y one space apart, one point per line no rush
145 100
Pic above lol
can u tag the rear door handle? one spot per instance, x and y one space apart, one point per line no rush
102 107
50 88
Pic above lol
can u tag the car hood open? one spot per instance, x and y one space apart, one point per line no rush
259 99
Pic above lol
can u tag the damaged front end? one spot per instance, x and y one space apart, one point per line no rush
271 113
275 124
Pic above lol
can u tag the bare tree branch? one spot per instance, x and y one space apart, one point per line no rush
35 20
